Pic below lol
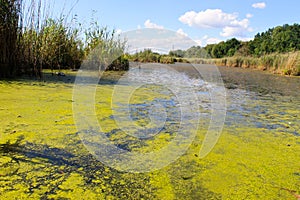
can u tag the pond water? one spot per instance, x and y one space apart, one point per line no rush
44 156
248 104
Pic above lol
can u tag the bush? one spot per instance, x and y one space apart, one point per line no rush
120 64
167 60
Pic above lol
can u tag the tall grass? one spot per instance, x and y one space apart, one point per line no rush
31 39
285 64
46 42
9 18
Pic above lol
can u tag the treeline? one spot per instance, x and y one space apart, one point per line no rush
147 55
281 39
31 40
277 50
193 52
228 48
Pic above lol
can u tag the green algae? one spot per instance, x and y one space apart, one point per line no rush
42 156
253 165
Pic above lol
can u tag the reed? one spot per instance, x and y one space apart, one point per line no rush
31 39
9 18
278 63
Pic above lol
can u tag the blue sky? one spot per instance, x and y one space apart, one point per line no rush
205 21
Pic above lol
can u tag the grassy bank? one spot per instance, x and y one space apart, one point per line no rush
284 64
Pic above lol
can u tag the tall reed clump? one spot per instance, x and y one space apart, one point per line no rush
292 64
46 42
167 60
10 11
105 49
32 40
278 63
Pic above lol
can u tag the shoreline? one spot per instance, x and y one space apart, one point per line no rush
233 77
261 81
287 64
253 80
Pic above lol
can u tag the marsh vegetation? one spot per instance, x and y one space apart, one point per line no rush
33 40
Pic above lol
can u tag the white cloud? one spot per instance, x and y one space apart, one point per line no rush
205 40
213 40
119 31
216 18
205 37
210 18
180 32
260 5
236 28
249 15
156 39
245 39
149 24
199 42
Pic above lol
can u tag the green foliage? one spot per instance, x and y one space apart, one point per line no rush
148 56
268 51
193 52
280 39
223 49
220 50
167 60
119 64
196 52
177 53
104 50
57 46
31 40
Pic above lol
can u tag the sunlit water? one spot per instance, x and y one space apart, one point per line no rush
266 110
